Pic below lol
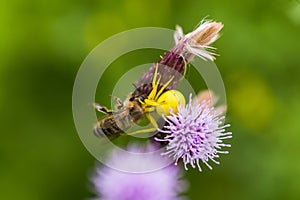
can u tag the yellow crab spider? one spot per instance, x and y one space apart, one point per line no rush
160 102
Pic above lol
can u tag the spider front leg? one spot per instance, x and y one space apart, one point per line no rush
155 85
153 96
162 88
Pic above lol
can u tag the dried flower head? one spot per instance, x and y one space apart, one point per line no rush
111 184
197 42
173 63
195 134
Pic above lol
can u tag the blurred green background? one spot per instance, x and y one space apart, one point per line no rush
43 43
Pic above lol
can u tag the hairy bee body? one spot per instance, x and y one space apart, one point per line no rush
115 123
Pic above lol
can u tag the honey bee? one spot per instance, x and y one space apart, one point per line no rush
159 101
116 122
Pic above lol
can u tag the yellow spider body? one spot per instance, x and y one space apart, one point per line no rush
169 100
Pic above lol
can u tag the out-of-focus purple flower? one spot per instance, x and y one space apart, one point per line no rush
195 134
112 184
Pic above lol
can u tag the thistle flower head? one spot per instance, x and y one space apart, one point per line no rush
173 63
111 184
195 134
197 42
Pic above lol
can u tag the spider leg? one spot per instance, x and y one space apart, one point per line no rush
154 94
148 130
163 87
154 84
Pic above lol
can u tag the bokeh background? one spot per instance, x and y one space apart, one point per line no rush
43 43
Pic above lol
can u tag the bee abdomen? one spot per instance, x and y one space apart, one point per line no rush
107 127
112 126
98 131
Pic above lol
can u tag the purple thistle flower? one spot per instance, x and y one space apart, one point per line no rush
112 184
195 134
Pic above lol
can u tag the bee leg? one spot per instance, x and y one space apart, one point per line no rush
119 101
148 130
102 109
